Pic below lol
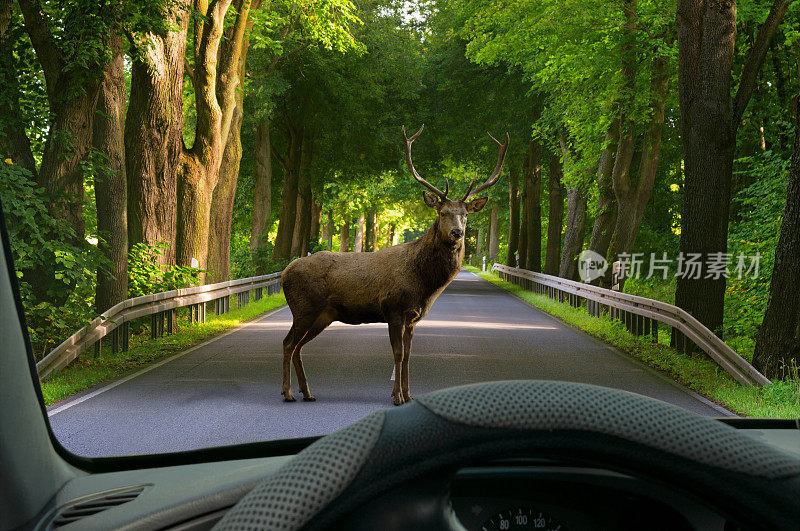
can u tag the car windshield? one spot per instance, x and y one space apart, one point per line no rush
229 224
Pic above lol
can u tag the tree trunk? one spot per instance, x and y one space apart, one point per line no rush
371 236
533 221
574 233
302 213
606 217
358 244
153 135
390 237
780 89
316 223
329 230
778 339
480 243
494 235
219 244
513 222
302 227
286 222
632 195
344 237
216 77
72 92
14 141
262 189
524 207
709 122
555 217
219 238
376 229
110 188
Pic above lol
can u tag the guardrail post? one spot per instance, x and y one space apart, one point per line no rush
654 329
126 336
97 346
170 321
153 326
678 340
115 340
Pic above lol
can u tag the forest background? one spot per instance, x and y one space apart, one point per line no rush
149 146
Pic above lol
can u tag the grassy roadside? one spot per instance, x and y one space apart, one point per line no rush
87 371
697 372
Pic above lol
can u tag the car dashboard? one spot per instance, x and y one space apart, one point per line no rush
506 494
557 497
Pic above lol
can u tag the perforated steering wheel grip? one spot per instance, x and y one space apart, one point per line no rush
419 444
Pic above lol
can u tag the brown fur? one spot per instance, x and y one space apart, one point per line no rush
396 285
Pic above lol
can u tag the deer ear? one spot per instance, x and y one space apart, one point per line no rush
431 199
476 205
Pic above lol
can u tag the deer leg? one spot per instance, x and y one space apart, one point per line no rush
408 334
396 338
288 349
296 334
320 324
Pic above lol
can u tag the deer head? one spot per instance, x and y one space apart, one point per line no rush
453 214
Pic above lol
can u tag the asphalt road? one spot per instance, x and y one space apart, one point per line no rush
227 391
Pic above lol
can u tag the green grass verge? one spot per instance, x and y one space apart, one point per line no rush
87 371
697 371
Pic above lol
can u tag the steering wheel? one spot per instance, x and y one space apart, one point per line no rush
394 466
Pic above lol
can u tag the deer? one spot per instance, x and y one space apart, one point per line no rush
396 285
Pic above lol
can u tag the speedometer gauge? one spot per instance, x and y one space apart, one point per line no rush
522 518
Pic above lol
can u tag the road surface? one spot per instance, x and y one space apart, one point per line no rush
227 390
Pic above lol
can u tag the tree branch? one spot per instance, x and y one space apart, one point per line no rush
205 79
277 154
42 39
228 75
188 70
14 141
756 58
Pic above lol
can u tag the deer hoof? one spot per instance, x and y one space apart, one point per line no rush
309 398
397 400
407 398
288 397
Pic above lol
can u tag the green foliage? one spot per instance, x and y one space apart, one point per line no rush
250 263
147 275
758 210
571 53
33 234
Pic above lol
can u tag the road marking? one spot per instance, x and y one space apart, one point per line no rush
84 398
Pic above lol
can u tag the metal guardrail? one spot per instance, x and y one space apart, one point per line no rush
161 307
641 316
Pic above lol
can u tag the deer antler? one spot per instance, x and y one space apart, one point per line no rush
495 174
471 186
416 175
